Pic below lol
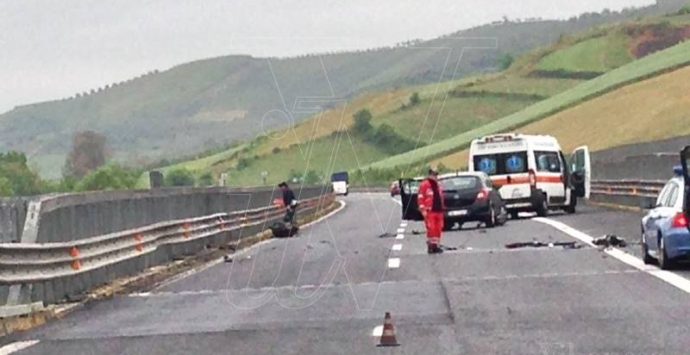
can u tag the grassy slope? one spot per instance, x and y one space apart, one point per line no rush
652 65
324 155
599 54
650 110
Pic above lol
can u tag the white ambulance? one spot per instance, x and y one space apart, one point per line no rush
531 172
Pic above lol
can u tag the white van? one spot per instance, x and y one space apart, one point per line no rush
341 183
531 172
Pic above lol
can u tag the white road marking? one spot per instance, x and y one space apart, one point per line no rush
403 224
400 236
21 345
401 230
397 201
394 263
667 276
397 247
378 331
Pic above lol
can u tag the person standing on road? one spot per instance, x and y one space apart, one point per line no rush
290 203
430 201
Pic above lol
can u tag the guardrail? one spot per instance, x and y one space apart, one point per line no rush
54 271
626 192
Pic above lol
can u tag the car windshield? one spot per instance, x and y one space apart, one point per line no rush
460 183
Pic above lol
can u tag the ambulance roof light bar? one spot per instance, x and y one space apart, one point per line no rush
501 138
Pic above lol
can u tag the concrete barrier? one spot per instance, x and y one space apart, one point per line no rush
72 217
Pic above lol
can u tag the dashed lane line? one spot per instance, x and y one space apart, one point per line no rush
666 276
400 236
397 247
393 263
17 346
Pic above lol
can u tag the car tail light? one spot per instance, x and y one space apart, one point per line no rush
680 221
483 195
532 178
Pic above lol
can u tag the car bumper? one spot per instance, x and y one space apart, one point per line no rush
474 213
678 243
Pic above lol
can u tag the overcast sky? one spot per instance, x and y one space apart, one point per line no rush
54 48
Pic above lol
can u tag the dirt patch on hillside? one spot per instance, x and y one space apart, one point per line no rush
652 38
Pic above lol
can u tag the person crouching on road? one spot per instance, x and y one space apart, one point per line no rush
430 201
290 203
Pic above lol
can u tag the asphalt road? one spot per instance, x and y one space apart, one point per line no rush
327 291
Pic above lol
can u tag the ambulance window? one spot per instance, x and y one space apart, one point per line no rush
548 161
486 164
515 163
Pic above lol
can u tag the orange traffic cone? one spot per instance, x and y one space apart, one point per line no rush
388 335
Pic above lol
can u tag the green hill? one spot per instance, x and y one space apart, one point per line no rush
205 104
655 64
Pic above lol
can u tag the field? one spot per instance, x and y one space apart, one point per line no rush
655 64
515 84
650 110
324 156
599 54
440 119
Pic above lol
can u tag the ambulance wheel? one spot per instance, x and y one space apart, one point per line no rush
542 207
571 207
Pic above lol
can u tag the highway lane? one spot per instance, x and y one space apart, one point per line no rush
327 291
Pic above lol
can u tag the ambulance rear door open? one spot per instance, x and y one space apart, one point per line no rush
581 172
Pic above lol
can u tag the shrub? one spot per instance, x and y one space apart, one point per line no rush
179 177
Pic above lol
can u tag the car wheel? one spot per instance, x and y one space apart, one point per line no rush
491 219
447 226
502 217
645 251
542 207
514 214
664 262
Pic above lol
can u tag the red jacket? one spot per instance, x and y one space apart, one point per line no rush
425 197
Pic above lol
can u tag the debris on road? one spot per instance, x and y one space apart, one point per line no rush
417 232
610 240
538 244
445 247
387 235
227 259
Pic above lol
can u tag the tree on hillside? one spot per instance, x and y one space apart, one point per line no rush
113 177
16 179
179 177
414 99
362 121
88 154
505 61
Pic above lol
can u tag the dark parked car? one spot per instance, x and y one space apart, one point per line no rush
469 196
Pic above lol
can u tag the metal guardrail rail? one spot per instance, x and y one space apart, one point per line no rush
632 188
30 263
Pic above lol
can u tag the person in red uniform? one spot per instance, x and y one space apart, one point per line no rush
430 201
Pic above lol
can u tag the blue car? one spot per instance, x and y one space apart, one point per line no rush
666 226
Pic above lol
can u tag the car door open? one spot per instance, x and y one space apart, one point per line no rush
685 163
408 197
581 175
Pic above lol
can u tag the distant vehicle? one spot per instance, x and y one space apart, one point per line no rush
666 226
341 183
531 172
395 188
468 196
